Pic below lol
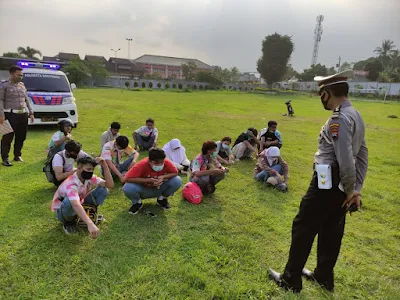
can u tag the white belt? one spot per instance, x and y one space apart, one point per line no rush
16 111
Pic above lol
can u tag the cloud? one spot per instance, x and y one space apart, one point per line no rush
94 42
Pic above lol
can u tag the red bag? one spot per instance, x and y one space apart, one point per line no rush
192 193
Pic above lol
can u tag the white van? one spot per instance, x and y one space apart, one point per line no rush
49 93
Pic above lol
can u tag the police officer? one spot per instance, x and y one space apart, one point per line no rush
14 107
340 166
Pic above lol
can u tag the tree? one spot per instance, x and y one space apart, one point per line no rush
374 67
276 52
360 65
155 75
29 52
290 73
98 72
188 70
77 72
314 70
235 74
345 66
208 77
386 48
12 54
331 71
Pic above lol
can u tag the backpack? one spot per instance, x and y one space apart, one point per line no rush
48 168
192 193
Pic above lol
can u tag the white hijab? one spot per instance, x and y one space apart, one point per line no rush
176 156
272 153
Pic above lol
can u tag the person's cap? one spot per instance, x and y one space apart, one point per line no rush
341 77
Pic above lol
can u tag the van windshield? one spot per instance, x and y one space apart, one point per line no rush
35 82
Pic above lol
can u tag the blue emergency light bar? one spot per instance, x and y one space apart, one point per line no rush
25 64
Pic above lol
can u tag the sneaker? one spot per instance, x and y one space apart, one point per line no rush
69 228
18 158
135 208
163 203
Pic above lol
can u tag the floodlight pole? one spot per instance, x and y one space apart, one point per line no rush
129 48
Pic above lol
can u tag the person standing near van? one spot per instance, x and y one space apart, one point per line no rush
14 107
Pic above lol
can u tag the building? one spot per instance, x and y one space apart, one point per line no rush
96 59
168 67
249 77
123 68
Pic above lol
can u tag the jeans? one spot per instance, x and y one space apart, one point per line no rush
122 168
264 175
135 191
207 183
95 197
146 145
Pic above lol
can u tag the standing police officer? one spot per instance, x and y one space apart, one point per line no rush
341 164
14 107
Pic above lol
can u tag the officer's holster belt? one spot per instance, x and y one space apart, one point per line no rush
16 111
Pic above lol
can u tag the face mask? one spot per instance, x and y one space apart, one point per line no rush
325 103
71 156
86 175
157 168
225 146
214 155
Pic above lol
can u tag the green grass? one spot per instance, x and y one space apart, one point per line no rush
220 249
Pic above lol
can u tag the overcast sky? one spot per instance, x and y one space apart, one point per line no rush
219 32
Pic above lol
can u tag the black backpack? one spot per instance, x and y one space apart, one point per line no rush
48 167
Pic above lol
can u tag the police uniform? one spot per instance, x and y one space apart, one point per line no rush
14 107
343 156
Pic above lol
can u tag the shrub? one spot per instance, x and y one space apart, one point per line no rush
187 89
150 85
135 84
174 85
180 86
194 87
143 84
240 88
245 88
167 85
159 85
206 87
127 84
200 87
188 86
230 87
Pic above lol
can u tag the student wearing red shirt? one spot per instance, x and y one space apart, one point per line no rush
152 177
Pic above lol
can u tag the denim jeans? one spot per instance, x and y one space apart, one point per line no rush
146 145
95 197
135 191
264 175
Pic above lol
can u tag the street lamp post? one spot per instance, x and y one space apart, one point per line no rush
129 48
115 52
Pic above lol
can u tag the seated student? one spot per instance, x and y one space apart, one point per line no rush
114 151
110 135
63 161
146 136
176 153
271 164
225 155
270 136
60 137
153 177
205 169
244 145
76 191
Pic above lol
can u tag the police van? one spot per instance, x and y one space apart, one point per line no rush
49 92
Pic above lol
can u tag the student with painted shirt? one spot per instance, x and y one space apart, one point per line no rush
63 161
245 144
270 136
79 189
153 177
61 137
146 136
110 135
224 152
206 171
271 164
176 153
113 153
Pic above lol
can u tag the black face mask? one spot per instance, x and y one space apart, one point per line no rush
86 175
325 103
68 155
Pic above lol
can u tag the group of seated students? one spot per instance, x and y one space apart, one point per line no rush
80 192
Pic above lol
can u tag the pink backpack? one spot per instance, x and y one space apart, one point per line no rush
192 193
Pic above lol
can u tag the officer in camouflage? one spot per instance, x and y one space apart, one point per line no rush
14 107
340 167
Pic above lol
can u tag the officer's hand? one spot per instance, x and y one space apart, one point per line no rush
2 119
32 117
93 231
354 197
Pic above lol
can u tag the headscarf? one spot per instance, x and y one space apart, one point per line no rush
271 154
176 156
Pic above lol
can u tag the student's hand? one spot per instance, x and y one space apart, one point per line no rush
93 231
2 119
68 137
152 181
218 172
100 161
274 172
122 179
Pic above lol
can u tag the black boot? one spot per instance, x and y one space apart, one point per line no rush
277 277
326 283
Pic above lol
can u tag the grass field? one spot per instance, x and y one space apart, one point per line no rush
220 249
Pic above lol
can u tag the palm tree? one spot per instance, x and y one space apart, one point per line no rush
386 49
29 52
